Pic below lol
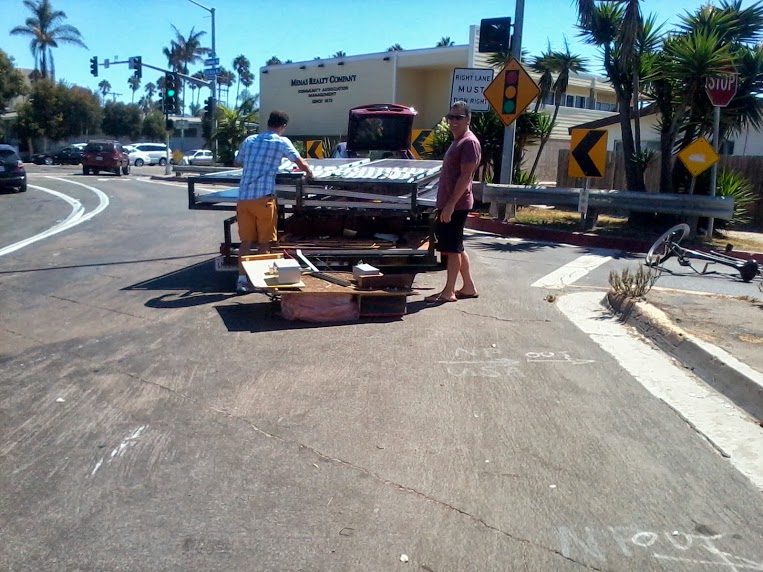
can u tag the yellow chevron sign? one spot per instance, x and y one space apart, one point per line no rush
314 149
421 142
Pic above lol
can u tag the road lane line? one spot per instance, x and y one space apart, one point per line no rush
571 272
103 198
71 221
74 217
725 425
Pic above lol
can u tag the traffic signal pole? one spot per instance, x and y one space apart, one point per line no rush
507 161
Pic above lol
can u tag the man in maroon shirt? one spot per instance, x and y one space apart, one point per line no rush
454 201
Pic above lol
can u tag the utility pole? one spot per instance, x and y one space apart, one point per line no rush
507 162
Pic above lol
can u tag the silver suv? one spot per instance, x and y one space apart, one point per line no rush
157 152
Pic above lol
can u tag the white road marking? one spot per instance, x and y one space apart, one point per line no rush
714 416
76 217
571 272
119 451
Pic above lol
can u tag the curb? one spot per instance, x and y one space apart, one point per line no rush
737 381
575 238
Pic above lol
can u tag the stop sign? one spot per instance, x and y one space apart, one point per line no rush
721 89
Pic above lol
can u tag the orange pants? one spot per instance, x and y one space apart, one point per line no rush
257 220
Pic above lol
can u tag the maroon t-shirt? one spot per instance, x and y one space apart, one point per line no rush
462 151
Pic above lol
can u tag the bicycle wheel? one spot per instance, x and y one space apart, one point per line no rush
662 249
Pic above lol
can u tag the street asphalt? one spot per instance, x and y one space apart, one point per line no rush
152 420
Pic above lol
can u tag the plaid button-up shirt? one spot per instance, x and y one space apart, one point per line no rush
261 156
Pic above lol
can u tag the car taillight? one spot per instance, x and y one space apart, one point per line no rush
20 166
116 156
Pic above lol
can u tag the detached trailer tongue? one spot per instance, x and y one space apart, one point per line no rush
373 206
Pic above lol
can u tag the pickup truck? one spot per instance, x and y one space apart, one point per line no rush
373 205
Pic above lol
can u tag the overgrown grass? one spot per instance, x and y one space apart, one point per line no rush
629 284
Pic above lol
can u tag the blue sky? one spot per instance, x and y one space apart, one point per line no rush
290 29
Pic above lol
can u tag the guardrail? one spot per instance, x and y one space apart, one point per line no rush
598 200
199 169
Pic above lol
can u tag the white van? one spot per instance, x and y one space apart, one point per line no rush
157 152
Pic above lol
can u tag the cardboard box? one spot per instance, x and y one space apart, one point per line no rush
288 270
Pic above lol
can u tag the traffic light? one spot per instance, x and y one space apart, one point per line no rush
510 91
136 63
209 106
170 93
94 66
495 34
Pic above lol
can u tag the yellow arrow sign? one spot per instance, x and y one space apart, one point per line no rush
588 153
698 157
511 91
421 142
314 149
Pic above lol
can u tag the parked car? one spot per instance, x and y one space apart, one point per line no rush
12 173
137 157
69 155
105 156
156 151
198 157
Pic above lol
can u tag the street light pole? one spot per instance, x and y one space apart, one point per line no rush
213 84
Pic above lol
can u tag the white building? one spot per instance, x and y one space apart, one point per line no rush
318 94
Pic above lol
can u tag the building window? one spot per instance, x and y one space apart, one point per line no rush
602 106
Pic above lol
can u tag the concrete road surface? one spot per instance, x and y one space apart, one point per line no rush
150 420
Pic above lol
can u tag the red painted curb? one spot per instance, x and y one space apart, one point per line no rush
575 238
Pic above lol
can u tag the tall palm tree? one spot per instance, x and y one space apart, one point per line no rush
444 42
104 87
150 89
273 61
241 66
185 51
543 65
198 75
47 31
395 48
339 54
134 82
563 63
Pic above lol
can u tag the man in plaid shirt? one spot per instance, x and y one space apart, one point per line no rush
256 210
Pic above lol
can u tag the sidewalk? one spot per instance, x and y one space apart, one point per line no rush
719 338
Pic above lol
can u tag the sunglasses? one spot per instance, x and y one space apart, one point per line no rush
454 116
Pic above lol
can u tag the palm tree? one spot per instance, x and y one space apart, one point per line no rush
339 54
626 40
395 48
47 32
150 89
563 63
705 43
241 66
104 87
247 80
185 51
232 129
134 82
444 42
543 65
273 61
198 75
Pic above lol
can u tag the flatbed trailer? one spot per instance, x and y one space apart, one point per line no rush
355 209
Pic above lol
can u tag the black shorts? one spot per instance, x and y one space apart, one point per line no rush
450 235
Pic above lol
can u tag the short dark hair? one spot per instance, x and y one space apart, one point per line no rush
464 107
277 119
